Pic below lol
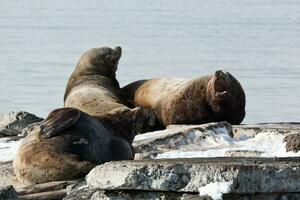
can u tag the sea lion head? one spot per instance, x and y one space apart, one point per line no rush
99 61
131 121
226 97
144 119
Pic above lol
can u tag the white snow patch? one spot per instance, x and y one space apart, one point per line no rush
215 189
8 149
264 144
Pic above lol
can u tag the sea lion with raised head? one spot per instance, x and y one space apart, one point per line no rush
69 143
94 89
212 98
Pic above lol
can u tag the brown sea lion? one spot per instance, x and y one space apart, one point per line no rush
93 87
217 97
292 142
69 143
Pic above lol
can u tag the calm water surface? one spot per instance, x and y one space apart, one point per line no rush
258 41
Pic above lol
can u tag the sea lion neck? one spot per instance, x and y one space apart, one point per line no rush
198 86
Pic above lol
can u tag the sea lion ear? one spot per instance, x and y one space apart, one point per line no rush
58 121
116 55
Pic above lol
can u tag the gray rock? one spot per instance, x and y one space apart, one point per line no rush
144 195
7 175
88 193
141 195
13 123
248 175
8 193
79 193
262 196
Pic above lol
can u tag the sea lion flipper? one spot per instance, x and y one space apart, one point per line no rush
58 120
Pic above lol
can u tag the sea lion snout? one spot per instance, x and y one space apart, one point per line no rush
116 55
221 84
219 73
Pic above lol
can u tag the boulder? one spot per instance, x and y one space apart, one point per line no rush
13 123
8 193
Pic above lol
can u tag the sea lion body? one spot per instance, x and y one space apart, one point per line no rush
95 95
217 97
92 87
69 143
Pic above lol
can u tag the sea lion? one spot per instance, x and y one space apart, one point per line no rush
94 89
69 143
292 142
217 97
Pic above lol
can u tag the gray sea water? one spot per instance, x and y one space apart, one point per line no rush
258 41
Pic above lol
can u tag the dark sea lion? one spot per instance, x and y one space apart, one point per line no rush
217 97
69 143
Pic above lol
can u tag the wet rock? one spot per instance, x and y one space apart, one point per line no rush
8 193
13 123
292 142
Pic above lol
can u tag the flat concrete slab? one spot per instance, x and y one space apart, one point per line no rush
242 175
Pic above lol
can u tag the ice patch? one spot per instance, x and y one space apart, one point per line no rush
215 190
8 149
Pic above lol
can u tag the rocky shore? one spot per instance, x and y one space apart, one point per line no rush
210 161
